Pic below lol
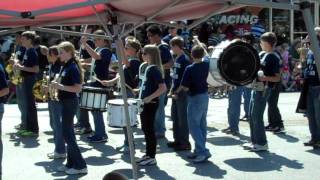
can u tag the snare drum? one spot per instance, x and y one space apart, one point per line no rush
93 98
116 113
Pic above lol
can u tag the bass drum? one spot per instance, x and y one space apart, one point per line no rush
233 63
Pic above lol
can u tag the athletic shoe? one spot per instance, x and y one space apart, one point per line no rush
257 148
225 130
29 134
83 131
21 131
201 159
148 162
192 155
56 155
96 139
233 133
309 143
278 130
244 118
142 158
62 168
269 128
316 145
73 171
182 147
248 146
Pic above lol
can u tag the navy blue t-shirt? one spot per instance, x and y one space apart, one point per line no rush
154 78
3 83
30 59
311 73
70 75
131 72
195 78
165 58
101 67
20 50
54 69
270 65
167 38
178 69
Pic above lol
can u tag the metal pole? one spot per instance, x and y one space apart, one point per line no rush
306 12
270 19
316 12
120 54
291 23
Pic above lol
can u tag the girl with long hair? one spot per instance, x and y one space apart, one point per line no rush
70 84
152 87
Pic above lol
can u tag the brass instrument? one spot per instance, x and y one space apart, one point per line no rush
14 75
53 92
44 83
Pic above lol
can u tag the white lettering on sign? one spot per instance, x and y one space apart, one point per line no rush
238 19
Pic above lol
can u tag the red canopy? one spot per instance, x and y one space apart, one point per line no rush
71 12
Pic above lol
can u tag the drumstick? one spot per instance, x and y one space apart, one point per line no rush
95 77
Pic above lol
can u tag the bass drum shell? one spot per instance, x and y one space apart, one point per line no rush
235 63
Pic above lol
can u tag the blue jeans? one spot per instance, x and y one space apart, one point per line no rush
246 97
99 127
313 112
197 121
21 104
29 105
56 125
159 124
179 117
234 108
274 116
74 157
84 118
258 105
1 145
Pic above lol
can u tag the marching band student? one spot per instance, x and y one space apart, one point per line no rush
154 35
55 107
311 80
179 98
151 89
102 58
28 70
131 71
4 90
70 84
267 78
194 81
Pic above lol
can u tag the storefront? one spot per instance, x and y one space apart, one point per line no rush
287 24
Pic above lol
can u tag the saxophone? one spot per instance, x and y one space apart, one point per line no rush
14 75
44 83
53 92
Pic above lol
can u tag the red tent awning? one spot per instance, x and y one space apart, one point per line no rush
71 12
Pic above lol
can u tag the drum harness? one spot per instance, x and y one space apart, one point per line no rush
143 77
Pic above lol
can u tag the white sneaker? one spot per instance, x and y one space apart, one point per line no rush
258 147
248 146
142 158
56 155
62 168
148 162
73 171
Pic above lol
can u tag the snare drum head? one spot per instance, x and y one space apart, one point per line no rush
239 63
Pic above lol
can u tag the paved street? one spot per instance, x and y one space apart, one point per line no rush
25 158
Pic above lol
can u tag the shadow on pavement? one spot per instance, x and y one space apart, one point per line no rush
30 142
127 172
287 137
154 172
224 141
267 162
314 151
208 169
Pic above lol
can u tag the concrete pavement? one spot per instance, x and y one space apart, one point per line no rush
25 158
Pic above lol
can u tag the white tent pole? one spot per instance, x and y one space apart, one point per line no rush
120 54
55 31
270 18
306 12
150 17
10 13
101 21
3 32
67 7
